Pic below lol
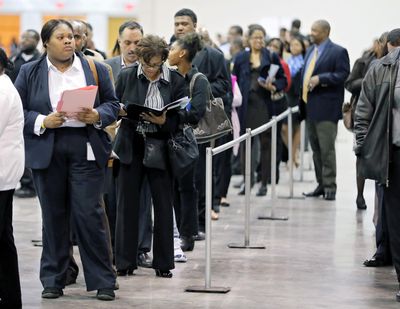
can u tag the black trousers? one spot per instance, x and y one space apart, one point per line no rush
72 186
382 233
185 204
145 221
392 209
223 168
129 183
10 289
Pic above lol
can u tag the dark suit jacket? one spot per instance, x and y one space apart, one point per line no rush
242 69
33 86
115 64
332 67
211 63
133 89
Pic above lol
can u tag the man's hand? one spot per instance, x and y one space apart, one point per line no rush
314 82
54 120
88 116
150 117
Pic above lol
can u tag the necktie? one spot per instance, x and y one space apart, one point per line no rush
308 74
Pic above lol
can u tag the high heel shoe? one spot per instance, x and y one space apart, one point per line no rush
163 273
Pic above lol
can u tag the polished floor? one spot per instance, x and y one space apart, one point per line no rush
313 260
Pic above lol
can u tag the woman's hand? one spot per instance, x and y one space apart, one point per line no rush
267 85
150 117
54 120
88 116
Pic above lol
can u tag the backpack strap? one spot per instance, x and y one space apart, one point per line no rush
92 66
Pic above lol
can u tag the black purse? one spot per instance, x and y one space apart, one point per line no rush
215 122
155 153
182 151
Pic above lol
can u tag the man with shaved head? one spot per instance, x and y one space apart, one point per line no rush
325 71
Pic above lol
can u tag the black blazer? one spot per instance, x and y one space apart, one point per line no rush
33 86
133 89
242 69
325 101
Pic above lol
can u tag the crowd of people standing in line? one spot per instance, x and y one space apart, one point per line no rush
102 190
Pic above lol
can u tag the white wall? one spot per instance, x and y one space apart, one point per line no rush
354 23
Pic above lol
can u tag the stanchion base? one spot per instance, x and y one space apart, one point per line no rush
273 218
242 246
203 289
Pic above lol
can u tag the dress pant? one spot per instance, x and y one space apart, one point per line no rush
70 190
392 209
223 168
322 136
145 220
382 233
129 183
10 289
185 204
110 203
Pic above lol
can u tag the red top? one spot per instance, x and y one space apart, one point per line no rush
287 74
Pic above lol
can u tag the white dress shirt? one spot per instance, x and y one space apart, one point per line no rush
59 81
12 154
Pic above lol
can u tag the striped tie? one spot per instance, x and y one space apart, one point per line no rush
308 74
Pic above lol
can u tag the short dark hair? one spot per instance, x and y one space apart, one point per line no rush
280 52
151 46
130 24
5 63
192 43
50 27
238 29
394 37
187 12
296 23
35 34
255 27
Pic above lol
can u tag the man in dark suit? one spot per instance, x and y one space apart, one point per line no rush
27 52
325 71
211 63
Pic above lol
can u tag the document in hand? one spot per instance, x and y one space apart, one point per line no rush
273 69
134 110
72 101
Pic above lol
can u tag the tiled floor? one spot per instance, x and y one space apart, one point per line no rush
314 260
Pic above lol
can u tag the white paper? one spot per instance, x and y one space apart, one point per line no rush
273 69
89 153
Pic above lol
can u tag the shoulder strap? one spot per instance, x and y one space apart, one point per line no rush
192 81
93 69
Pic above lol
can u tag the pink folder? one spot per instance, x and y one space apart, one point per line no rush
72 101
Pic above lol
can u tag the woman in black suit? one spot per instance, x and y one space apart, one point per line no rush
251 68
150 83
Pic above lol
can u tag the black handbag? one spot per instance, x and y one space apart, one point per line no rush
155 153
182 151
215 123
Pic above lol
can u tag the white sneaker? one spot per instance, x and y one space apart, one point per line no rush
180 257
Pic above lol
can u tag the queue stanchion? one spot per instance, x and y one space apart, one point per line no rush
273 175
246 244
207 288
302 148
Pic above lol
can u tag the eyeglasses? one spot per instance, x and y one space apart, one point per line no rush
259 38
152 66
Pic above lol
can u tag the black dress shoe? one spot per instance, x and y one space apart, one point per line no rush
262 191
25 193
330 195
361 203
144 260
105 294
163 273
124 272
317 192
72 274
375 262
200 236
187 243
52 293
